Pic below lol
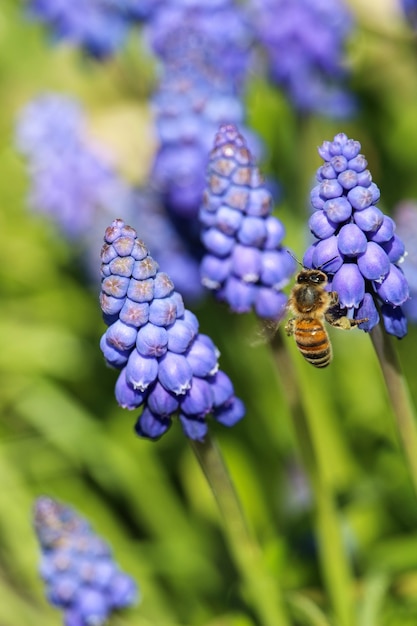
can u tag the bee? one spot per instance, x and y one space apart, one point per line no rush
311 305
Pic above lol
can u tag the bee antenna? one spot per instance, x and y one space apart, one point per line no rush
320 267
326 262
295 258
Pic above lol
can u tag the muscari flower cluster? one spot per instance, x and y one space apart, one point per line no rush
77 566
405 215
246 264
98 27
203 50
305 44
409 8
167 366
74 183
356 244
70 176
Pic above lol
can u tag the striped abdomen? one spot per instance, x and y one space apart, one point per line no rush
313 342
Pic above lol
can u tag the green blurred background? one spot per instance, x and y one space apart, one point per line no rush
62 433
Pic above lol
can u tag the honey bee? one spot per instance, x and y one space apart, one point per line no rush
311 305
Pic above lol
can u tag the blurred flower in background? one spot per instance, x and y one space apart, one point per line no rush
305 43
71 178
75 182
356 244
410 11
98 27
77 567
203 49
405 214
166 365
246 264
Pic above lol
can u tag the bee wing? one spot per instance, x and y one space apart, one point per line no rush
265 333
268 327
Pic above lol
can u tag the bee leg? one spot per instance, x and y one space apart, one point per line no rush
334 298
344 322
290 327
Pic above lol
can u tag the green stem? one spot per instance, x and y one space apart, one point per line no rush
261 589
307 611
399 396
334 562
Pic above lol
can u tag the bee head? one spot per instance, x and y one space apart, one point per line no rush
315 277
311 276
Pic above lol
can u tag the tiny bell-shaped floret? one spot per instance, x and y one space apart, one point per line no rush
80 574
356 244
166 366
245 264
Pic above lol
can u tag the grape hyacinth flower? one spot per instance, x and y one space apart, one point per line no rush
409 8
75 183
167 366
405 214
304 42
71 177
356 244
246 264
203 53
98 27
77 566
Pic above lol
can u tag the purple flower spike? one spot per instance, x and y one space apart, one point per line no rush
204 53
356 244
72 179
304 42
245 265
406 219
167 366
103 27
80 574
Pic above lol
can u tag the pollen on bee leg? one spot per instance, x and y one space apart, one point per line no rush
346 323
290 327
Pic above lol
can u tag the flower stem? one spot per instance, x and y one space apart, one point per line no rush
261 589
399 396
334 562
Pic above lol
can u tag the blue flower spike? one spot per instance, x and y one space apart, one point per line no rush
77 567
406 219
97 27
306 52
356 244
166 366
204 53
72 179
246 264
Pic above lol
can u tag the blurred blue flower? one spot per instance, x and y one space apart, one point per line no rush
92 25
70 177
98 27
77 567
304 41
75 183
167 366
135 10
405 214
246 264
356 244
203 49
409 8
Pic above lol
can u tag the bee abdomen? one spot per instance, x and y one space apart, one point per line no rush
313 342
